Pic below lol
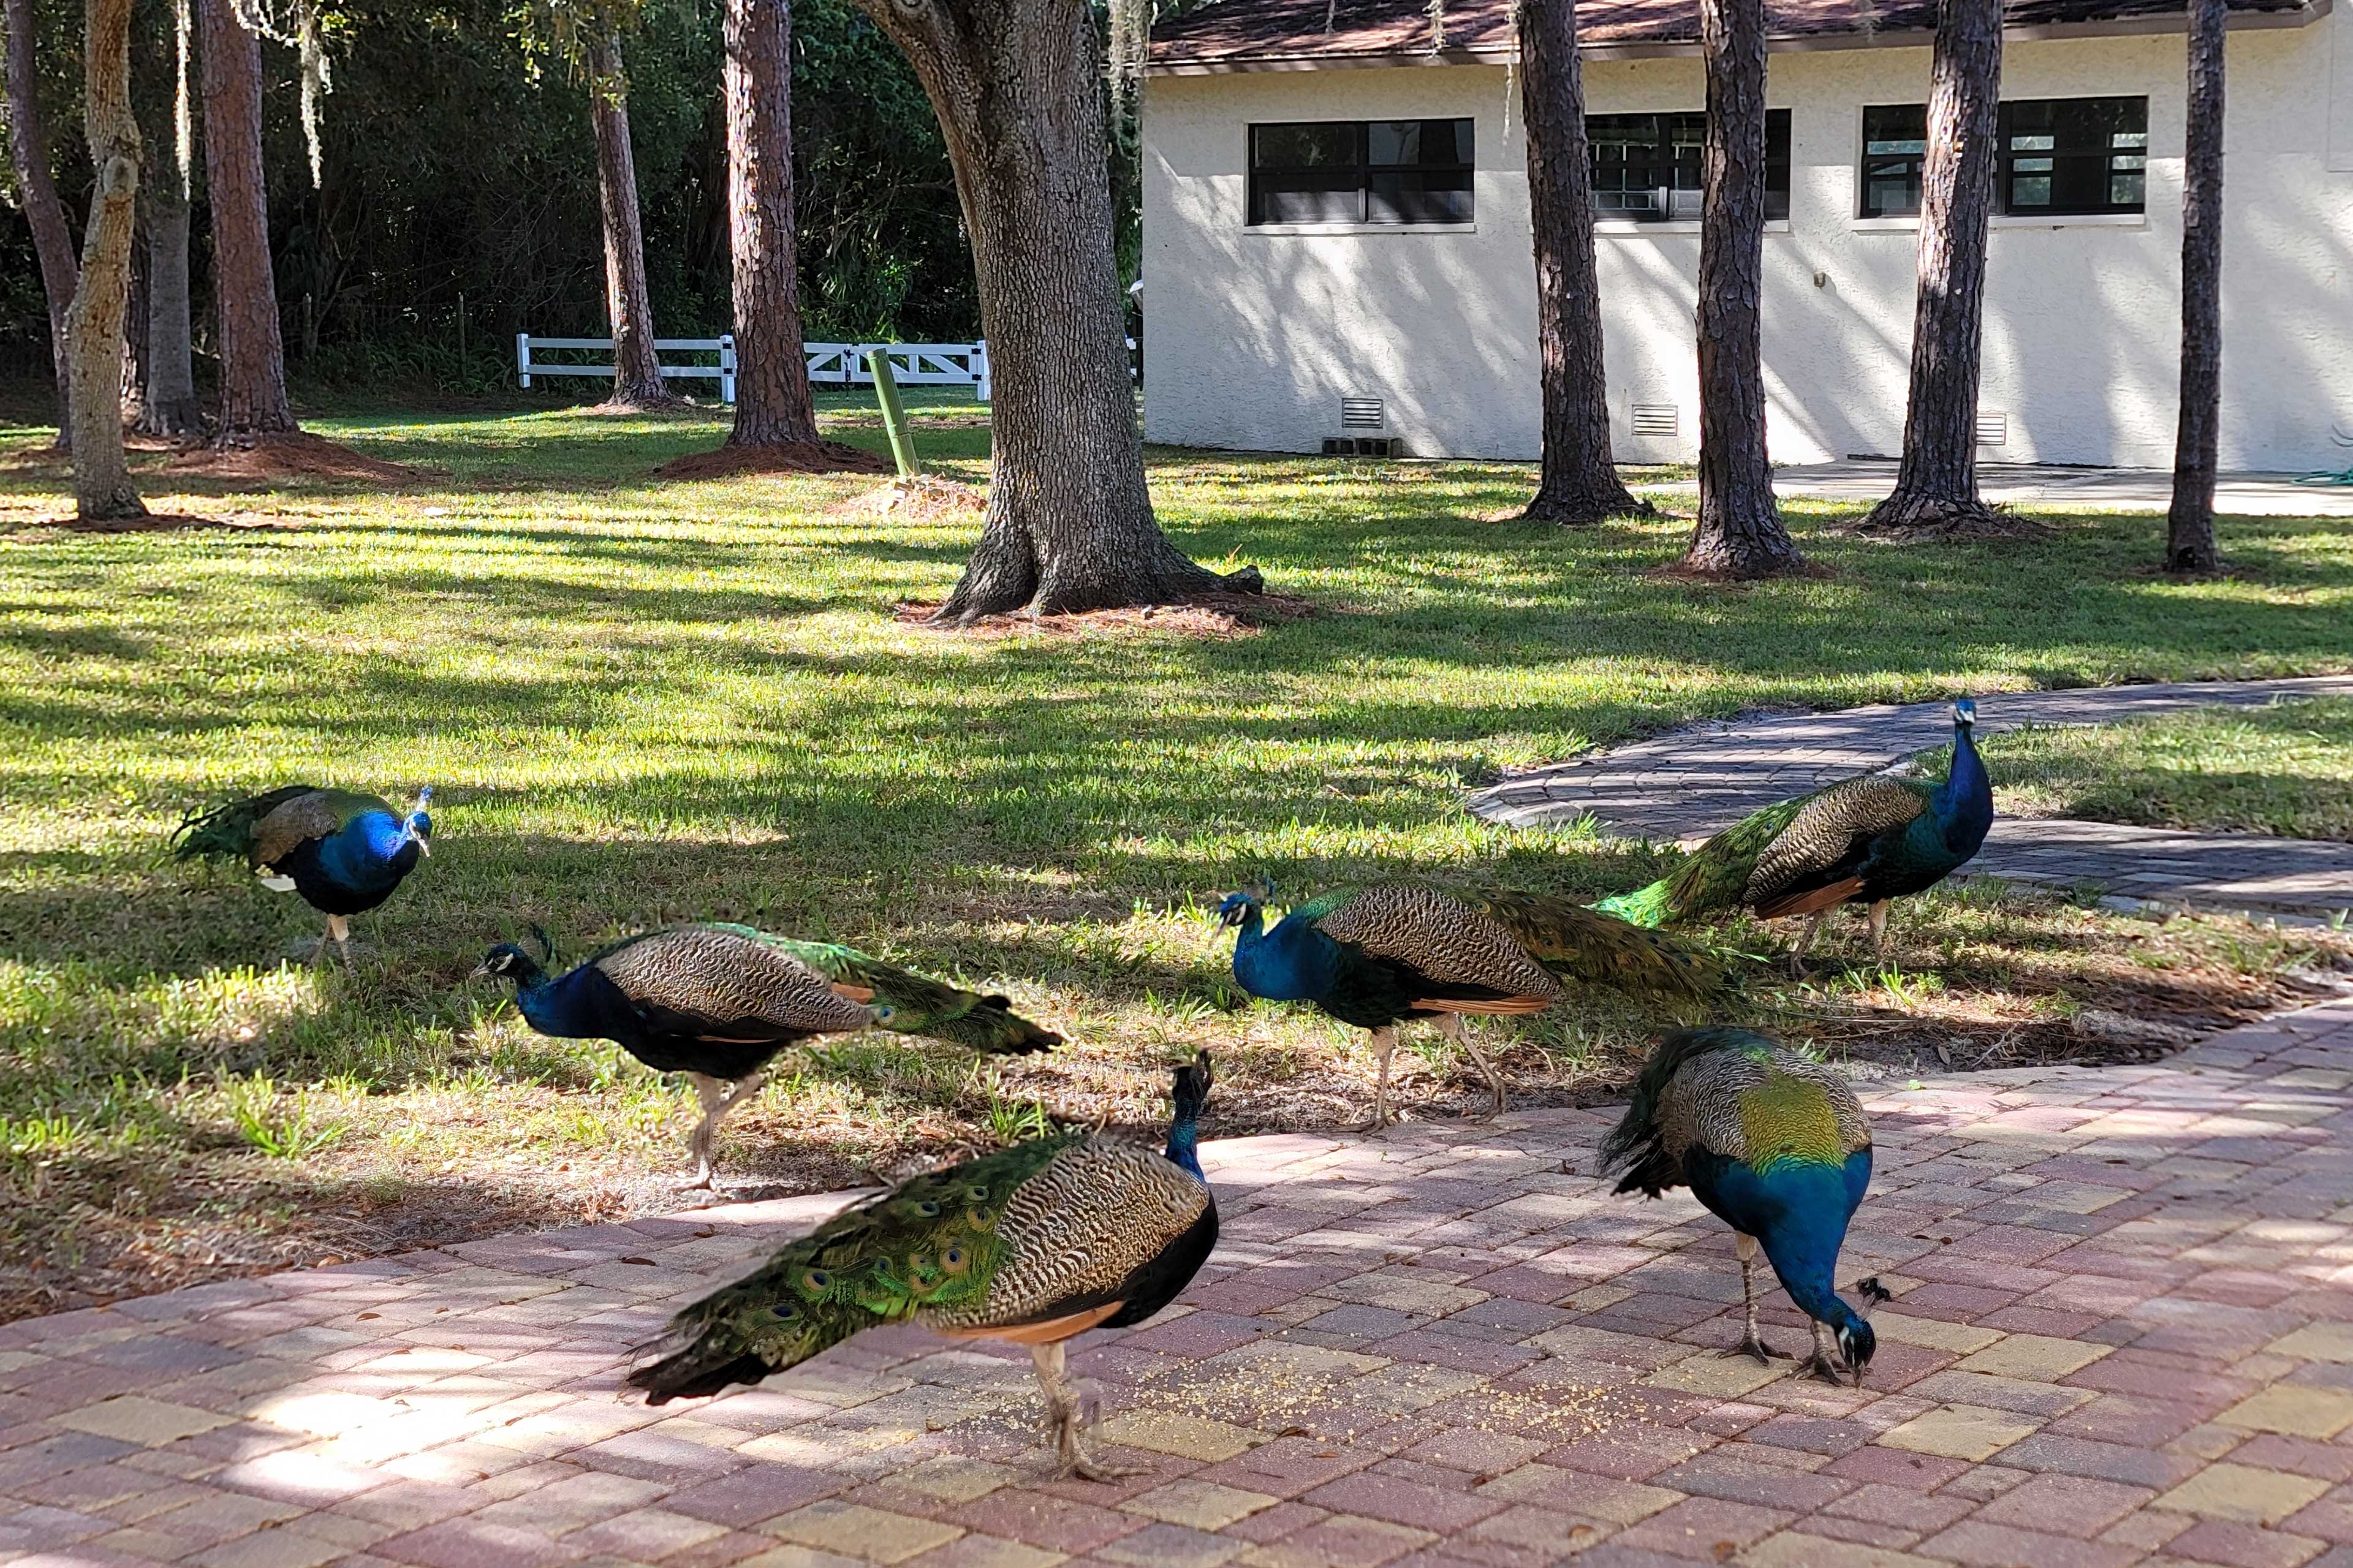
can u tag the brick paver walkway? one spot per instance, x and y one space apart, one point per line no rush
1683 785
2122 1333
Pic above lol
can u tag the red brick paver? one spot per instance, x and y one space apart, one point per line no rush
2122 1334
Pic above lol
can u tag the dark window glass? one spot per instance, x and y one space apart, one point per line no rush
2059 156
1379 170
1647 167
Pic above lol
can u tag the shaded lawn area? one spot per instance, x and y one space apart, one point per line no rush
644 703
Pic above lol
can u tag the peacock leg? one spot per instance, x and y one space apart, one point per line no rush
1065 1416
1453 1027
1745 1246
698 1143
1879 928
340 929
1805 940
1823 1363
1383 1042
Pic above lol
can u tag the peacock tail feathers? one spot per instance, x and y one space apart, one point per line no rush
911 1003
261 828
1599 948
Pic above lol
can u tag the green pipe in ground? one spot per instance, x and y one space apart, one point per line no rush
894 413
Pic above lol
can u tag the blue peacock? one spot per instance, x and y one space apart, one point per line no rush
1032 1246
344 852
717 1002
1776 1146
1862 840
1376 956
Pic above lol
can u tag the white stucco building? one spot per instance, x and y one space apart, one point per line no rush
1336 237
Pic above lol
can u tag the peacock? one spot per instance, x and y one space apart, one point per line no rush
1032 1245
1376 956
1862 840
717 1002
1776 1146
343 851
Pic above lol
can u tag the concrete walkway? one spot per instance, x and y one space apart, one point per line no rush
2122 1333
2050 487
1684 786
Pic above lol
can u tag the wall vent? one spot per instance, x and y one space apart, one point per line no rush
1657 419
1363 447
1993 429
1361 413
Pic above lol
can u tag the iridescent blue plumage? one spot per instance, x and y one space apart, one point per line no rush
1774 1144
344 852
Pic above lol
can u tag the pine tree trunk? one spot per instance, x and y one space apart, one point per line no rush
2190 522
252 348
169 406
773 404
133 404
1739 533
1579 481
637 369
102 487
1936 483
28 145
1018 88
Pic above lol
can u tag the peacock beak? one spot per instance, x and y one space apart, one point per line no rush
424 845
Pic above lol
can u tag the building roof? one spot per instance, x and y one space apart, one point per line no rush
1278 35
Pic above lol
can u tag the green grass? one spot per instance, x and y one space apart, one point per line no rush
2285 768
644 703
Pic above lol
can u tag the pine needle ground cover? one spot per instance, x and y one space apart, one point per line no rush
643 701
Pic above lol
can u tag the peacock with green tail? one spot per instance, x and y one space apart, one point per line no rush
1776 1145
717 1002
1864 840
343 851
1033 1246
1376 956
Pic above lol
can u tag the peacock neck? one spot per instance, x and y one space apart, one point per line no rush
1292 962
1183 1149
373 850
561 1006
1964 801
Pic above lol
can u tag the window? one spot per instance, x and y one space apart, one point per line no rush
2063 157
1646 167
1376 172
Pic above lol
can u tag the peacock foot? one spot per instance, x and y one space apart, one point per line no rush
1751 1346
1797 969
1822 1368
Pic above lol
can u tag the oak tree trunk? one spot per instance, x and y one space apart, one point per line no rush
1018 88
102 487
2190 522
169 406
636 370
772 405
28 145
1579 481
1739 533
252 347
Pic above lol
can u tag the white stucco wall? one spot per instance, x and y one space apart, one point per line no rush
1252 338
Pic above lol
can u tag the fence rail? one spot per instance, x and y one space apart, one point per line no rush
829 364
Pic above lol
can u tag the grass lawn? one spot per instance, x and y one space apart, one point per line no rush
644 701
2284 768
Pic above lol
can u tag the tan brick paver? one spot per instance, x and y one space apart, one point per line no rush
2124 1317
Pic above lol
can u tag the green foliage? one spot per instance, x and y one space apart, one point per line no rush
279 1126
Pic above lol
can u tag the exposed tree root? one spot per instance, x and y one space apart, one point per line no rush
1914 515
1212 615
796 457
1581 509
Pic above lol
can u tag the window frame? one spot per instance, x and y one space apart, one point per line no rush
1663 144
2119 159
1365 171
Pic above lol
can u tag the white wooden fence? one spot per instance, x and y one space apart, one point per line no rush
829 364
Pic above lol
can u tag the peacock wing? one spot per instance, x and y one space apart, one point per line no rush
1599 948
1440 938
912 1004
1081 1232
293 823
711 980
1827 829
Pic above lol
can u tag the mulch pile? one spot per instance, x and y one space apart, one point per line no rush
922 498
727 462
291 455
158 522
1205 616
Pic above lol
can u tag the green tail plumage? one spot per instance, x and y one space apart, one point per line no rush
919 1004
932 1244
1633 1144
1713 877
225 832
1580 944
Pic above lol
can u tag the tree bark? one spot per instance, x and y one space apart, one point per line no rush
252 348
637 369
102 487
28 145
1018 88
1579 482
773 404
133 404
1936 483
2189 521
1739 533
169 406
